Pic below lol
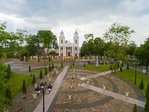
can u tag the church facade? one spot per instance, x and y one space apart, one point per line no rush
69 49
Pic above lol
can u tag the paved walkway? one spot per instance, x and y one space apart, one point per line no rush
115 95
94 76
50 97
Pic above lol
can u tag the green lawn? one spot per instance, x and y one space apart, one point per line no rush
100 68
15 82
129 75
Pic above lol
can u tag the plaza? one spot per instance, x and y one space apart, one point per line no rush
76 89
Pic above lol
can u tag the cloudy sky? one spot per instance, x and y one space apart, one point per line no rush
85 16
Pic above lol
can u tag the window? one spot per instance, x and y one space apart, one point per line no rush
75 48
76 41
61 41
61 48
61 54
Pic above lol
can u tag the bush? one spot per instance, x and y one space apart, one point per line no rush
127 66
62 64
34 79
8 71
147 90
24 87
84 65
8 97
141 84
49 59
29 69
40 76
45 71
110 66
52 66
146 108
121 68
135 108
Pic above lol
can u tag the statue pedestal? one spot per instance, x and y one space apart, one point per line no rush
97 63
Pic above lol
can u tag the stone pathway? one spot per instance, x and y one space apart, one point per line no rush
50 97
94 76
115 95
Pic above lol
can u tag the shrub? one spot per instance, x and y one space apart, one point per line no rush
34 79
24 87
52 66
62 64
147 91
8 71
45 71
40 76
127 66
146 108
135 108
8 97
84 65
141 84
29 69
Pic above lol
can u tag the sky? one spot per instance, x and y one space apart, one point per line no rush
85 16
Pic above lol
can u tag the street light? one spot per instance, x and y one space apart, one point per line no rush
135 71
43 89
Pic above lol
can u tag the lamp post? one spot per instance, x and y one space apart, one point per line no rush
43 89
135 72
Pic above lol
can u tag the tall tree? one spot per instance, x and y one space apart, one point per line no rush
47 38
142 54
33 44
119 36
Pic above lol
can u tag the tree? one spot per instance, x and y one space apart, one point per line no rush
29 69
8 97
146 108
135 108
62 64
147 90
127 66
24 87
34 79
40 76
52 66
47 38
45 71
33 44
8 71
119 36
142 54
141 84
99 47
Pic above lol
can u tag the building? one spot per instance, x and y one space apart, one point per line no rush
68 49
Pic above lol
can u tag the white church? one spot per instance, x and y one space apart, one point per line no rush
69 49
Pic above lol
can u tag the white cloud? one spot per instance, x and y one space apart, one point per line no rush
85 16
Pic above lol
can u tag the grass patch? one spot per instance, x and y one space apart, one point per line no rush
129 75
100 68
15 82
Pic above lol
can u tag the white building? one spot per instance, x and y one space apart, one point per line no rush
68 49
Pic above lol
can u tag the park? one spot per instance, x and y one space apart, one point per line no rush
39 75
